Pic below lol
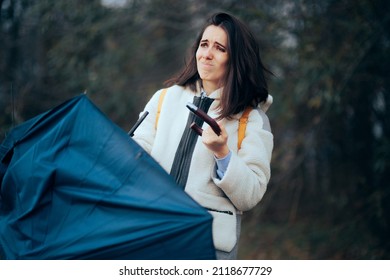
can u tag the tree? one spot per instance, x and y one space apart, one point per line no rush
330 168
330 163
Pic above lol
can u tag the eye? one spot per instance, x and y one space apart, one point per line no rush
221 49
203 44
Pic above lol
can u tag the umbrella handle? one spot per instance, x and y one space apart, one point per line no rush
202 114
196 128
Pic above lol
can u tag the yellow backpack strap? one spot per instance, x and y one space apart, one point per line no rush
160 101
242 126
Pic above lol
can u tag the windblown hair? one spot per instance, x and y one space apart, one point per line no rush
245 82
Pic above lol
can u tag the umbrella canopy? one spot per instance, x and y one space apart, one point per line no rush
76 186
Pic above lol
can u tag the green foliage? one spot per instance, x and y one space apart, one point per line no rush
328 194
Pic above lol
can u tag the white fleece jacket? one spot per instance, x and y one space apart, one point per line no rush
246 178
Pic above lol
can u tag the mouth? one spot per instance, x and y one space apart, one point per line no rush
206 64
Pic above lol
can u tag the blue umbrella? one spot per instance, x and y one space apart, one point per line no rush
76 186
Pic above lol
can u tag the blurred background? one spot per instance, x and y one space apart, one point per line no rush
328 197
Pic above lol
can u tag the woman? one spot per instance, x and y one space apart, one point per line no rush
224 76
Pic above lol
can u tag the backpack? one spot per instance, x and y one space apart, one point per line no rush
241 125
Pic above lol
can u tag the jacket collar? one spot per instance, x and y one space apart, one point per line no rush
214 95
266 104
217 96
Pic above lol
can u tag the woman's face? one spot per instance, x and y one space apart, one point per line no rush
212 57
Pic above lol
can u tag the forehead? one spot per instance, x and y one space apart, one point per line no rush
215 34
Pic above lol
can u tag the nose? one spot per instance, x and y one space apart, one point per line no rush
208 53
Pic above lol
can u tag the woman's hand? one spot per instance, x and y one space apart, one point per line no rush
216 144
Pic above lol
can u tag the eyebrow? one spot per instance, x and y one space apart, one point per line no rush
219 44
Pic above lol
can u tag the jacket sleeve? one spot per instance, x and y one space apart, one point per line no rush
248 173
145 134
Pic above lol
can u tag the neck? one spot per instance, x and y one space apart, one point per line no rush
209 87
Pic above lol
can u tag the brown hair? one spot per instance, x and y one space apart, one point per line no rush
245 83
